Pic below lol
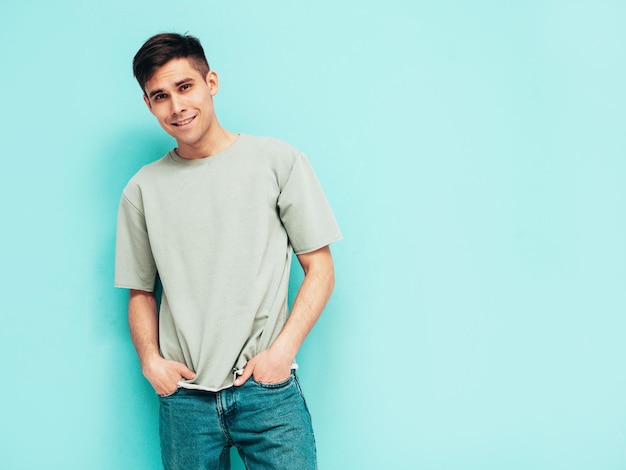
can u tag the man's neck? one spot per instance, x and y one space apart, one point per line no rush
214 142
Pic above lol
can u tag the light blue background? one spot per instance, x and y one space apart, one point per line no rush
474 153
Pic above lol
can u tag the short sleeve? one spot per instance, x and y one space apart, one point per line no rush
135 267
304 210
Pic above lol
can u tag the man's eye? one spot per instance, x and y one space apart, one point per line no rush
160 96
184 87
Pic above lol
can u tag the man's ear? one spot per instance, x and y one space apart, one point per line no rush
147 101
213 81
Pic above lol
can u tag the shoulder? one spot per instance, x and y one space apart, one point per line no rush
270 146
263 154
146 175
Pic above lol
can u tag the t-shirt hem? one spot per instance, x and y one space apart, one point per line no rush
317 247
192 386
133 287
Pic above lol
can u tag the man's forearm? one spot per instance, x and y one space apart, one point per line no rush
273 364
164 375
143 321
316 289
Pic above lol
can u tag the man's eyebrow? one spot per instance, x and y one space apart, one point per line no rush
176 84
183 81
155 92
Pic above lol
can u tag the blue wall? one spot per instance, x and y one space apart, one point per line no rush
475 155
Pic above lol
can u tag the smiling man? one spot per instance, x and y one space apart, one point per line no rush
216 220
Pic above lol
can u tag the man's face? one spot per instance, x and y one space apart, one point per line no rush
182 101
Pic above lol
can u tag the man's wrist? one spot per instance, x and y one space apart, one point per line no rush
148 361
283 350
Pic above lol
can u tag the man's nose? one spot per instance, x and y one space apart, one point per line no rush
178 105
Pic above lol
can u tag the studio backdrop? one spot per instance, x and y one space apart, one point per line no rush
474 153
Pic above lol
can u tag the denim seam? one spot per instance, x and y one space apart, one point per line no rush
306 407
220 414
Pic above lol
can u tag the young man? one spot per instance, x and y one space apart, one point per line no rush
216 219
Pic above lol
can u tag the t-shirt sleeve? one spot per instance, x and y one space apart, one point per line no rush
135 267
304 210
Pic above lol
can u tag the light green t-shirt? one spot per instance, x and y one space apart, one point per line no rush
219 232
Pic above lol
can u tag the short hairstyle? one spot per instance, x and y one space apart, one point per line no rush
161 48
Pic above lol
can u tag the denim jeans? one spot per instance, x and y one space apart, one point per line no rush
269 424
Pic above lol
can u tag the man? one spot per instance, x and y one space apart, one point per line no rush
216 220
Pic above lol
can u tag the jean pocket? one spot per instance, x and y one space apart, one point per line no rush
169 395
282 384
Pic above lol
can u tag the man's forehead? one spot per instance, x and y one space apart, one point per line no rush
171 73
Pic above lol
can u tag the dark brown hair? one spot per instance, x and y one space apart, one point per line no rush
161 48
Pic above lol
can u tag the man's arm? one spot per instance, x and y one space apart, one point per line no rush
274 364
143 319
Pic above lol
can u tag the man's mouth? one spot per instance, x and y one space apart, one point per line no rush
183 122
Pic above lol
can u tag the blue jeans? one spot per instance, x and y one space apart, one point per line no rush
269 424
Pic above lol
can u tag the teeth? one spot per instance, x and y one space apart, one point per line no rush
182 123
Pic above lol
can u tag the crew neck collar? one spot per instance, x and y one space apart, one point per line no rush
203 160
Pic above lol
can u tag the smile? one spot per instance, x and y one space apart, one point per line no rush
183 123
